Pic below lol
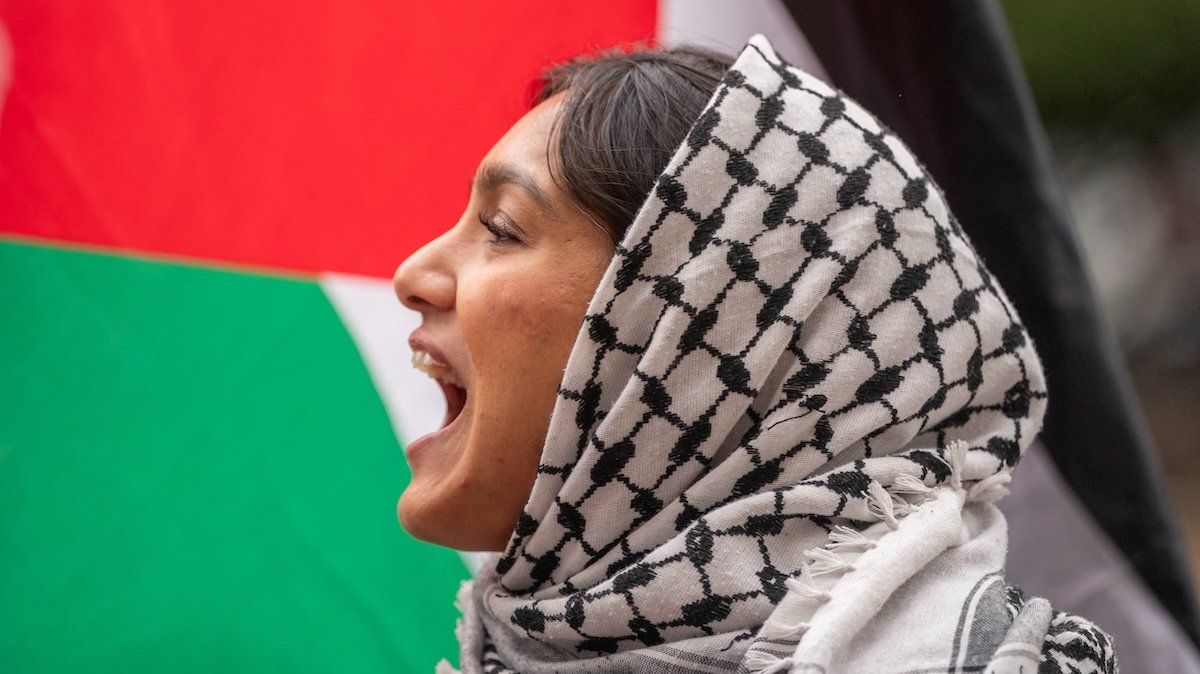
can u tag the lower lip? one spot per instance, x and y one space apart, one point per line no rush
414 447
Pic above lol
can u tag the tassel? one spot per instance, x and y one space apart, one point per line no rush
791 630
990 488
902 507
805 588
821 561
765 663
781 665
957 460
881 504
842 537
910 485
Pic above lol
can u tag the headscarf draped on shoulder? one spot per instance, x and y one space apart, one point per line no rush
795 393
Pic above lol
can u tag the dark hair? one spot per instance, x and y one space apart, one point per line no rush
624 115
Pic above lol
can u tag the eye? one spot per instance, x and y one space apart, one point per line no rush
501 232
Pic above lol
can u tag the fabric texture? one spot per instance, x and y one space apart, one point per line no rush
961 102
796 392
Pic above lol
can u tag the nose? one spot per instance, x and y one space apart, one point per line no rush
425 281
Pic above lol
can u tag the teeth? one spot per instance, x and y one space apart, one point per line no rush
423 361
436 369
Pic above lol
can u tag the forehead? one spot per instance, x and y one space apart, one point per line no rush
526 142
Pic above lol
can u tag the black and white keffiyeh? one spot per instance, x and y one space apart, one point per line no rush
795 393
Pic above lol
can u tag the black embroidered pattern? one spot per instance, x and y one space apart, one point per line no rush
708 309
1076 646
793 314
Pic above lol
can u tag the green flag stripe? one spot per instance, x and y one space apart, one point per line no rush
196 474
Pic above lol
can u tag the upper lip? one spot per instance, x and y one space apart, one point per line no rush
419 342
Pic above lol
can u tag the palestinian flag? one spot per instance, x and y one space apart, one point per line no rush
204 385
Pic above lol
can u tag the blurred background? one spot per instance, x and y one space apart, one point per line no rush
1118 88
204 388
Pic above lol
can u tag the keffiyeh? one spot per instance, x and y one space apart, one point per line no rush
795 394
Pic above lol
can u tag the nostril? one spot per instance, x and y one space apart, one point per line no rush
424 303
422 289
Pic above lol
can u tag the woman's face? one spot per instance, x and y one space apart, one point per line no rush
502 295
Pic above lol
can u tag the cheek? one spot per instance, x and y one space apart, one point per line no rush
520 326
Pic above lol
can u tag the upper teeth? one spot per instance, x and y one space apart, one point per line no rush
435 368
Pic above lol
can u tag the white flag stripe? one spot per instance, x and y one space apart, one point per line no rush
380 326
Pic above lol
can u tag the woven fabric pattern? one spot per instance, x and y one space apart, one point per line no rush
793 317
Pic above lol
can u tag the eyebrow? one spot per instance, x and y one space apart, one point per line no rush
492 176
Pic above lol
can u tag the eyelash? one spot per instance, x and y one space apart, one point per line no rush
498 232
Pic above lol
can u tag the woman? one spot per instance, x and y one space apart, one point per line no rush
727 388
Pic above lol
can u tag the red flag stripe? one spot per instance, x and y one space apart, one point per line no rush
305 136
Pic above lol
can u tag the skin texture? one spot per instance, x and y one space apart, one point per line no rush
503 313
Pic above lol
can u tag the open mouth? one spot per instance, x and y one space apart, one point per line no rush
456 399
447 380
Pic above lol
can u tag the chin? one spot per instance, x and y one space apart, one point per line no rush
442 522
411 519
